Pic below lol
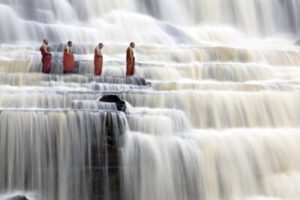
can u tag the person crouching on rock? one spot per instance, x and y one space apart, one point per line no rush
68 58
46 57
98 60
130 60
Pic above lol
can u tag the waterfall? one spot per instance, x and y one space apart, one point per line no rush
56 154
212 112
235 164
118 20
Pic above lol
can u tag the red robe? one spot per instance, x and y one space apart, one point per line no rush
98 63
68 61
46 60
130 62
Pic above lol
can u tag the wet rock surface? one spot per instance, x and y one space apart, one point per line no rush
18 197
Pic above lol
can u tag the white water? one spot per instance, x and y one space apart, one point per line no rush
47 154
122 20
220 120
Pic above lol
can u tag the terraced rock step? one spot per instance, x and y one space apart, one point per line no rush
35 79
186 107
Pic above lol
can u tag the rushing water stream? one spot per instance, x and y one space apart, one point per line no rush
213 110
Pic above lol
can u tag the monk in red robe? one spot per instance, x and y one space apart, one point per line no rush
46 57
68 58
98 60
130 60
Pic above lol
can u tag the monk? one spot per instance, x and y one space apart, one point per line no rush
98 60
68 58
46 57
130 60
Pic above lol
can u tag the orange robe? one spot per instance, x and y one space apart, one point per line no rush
46 60
68 61
130 62
98 63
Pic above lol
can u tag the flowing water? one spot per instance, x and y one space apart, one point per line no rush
213 110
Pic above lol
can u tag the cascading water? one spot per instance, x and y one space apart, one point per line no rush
56 154
219 120
119 20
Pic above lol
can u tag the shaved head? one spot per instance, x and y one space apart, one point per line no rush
45 41
132 45
70 43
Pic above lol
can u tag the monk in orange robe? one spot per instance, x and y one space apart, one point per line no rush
46 57
130 60
68 58
98 60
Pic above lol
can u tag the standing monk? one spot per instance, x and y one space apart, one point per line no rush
130 60
68 59
98 60
46 57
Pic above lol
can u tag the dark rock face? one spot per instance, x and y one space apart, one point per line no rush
106 165
121 105
18 197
